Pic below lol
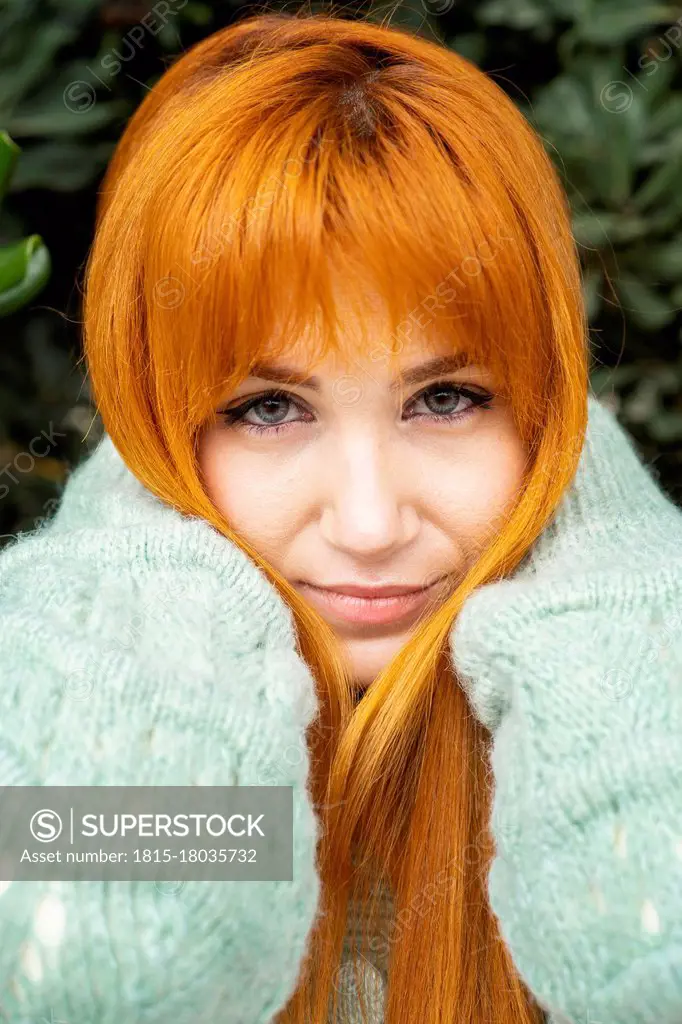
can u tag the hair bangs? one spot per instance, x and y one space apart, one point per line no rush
283 242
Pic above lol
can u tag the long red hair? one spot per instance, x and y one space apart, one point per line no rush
268 153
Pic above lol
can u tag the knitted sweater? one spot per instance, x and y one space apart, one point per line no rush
368 969
138 646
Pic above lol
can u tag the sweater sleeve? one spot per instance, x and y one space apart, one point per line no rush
578 674
140 647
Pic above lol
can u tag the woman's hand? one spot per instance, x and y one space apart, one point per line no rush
575 665
140 647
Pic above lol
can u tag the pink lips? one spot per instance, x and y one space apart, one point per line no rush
352 607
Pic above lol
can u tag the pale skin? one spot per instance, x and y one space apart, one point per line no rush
366 485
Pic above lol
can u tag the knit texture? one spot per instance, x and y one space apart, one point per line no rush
138 646
575 664
364 965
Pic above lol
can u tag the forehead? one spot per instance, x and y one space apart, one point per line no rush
371 348
411 369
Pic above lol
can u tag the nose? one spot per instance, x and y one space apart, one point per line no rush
368 511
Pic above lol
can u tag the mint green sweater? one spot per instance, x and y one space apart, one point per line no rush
138 646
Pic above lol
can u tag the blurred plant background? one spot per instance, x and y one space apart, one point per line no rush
599 79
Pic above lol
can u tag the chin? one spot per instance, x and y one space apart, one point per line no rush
367 658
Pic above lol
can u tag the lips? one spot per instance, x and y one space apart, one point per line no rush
369 592
354 609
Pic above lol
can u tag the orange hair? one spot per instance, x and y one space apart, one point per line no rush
268 152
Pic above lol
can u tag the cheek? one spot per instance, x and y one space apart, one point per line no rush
259 496
477 488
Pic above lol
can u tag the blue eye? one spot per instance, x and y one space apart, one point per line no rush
236 417
477 399
275 406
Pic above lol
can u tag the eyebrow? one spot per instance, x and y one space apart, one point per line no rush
415 375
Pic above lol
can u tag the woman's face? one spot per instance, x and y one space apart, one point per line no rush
341 482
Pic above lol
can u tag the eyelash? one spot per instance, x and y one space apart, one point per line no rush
235 417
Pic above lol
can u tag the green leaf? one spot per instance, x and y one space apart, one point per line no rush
37 273
601 228
198 14
14 259
666 426
646 308
609 27
9 151
62 121
605 378
40 42
69 104
597 123
169 36
662 183
667 148
655 74
523 14
470 45
567 10
665 219
664 261
61 165
562 106
642 403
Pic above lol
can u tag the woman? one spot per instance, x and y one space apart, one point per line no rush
335 331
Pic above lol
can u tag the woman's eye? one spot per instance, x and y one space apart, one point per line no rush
443 403
272 409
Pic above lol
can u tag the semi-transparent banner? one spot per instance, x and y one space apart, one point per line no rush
150 833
